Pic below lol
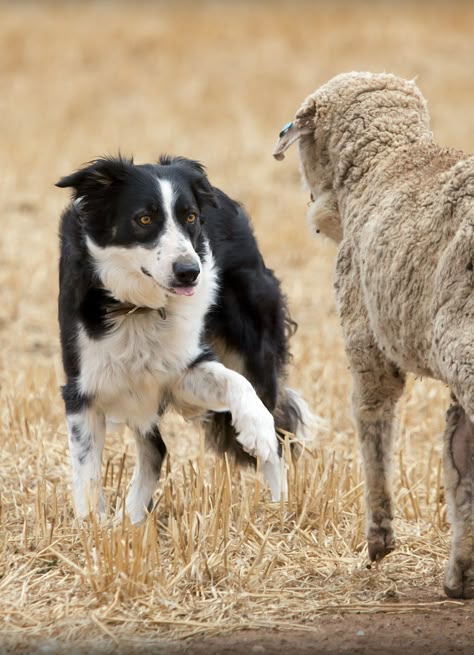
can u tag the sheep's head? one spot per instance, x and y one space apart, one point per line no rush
335 120
309 131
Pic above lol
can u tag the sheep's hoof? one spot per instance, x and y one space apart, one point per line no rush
459 583
380 542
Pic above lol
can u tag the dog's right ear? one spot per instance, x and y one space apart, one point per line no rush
96 176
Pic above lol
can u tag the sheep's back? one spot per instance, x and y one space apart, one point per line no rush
400 227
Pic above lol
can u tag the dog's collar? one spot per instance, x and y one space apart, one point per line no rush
128 308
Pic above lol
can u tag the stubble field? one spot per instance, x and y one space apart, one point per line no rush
217 567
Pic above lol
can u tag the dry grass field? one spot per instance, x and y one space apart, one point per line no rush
217 567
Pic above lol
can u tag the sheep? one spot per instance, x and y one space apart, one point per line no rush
401 209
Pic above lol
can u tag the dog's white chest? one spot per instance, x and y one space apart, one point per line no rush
128 370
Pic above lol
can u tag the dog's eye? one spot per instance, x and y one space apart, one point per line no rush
144 220
191 218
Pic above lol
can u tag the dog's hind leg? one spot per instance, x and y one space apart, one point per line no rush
86 435
458 459
151 451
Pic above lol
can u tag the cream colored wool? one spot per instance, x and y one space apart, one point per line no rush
402 210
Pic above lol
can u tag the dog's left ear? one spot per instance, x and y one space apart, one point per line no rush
202 188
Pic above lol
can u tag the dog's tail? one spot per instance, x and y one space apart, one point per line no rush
293 420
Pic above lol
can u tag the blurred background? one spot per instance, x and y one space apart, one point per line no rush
210 80
214 81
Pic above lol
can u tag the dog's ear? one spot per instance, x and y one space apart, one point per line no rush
202 188
97 176
204 192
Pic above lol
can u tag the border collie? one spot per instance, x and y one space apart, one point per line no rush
165 301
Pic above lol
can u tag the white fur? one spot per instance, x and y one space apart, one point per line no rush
143 481
127 369
167 194
86 436
119 269
173 243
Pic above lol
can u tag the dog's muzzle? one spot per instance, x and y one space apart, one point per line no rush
186 272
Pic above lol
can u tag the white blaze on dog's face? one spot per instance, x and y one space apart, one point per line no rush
142 228
176 265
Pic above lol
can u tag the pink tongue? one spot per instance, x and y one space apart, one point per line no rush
184 291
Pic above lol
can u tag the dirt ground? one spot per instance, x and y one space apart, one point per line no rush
441 632
439 628
217 568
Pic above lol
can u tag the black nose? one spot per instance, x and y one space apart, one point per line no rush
185 272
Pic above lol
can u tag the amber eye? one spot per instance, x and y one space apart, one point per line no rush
191 218
144 220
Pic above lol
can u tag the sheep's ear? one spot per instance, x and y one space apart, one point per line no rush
291 132
98 175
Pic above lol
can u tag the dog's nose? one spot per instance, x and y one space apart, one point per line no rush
185 271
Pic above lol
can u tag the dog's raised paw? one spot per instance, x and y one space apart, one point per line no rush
256 434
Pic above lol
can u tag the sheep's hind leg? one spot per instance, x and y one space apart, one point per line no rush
458 459
375 395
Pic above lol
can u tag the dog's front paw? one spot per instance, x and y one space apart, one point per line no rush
256 435
88 501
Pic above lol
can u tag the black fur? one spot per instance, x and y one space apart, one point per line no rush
250 316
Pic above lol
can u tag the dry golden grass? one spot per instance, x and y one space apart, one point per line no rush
214 82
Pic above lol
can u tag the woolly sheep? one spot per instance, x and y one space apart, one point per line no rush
402 210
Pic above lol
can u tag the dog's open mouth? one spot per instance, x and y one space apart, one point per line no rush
177 290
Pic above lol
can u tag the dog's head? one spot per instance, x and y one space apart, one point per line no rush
142 225
337 121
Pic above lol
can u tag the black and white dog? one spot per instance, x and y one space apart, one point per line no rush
165 301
